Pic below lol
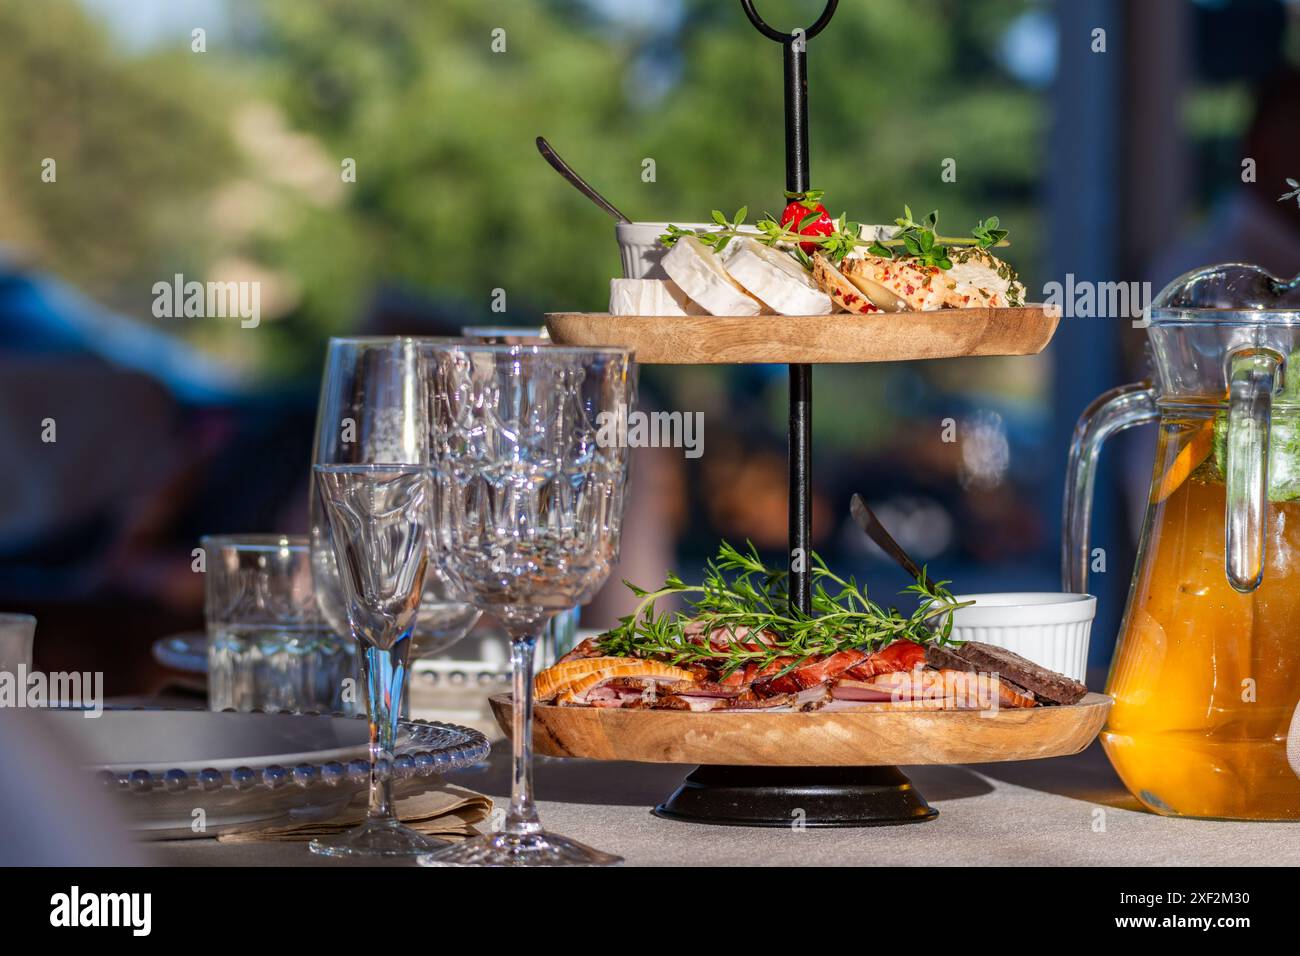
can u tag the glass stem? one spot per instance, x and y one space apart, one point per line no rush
522 818
384 672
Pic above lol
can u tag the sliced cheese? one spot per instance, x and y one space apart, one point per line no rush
868 232
897 285
842 292
650 297
873 233
696 270
775 278
978 278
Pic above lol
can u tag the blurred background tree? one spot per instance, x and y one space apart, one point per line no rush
232 168
227 162
137 142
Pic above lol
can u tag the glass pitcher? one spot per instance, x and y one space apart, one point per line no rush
1206 673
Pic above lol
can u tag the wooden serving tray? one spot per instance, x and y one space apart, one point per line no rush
811 339
858 738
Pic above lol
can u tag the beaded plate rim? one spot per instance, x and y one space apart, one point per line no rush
415 757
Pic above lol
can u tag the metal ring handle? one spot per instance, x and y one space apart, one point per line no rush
772 34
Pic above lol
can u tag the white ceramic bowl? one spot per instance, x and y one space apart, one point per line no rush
639 248
1050 629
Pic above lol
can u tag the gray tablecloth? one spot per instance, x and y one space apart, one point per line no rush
1070 811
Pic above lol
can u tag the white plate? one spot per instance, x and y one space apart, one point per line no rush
246 771
125 741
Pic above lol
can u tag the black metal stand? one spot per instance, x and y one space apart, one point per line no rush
797 796
794 47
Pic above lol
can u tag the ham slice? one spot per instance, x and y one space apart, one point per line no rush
934 689
899 655
681 702
555 678
811 673
579 692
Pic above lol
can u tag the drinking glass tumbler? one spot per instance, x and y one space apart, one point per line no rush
268 646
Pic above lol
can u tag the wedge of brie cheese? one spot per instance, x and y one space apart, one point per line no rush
695 268
775 278
650 297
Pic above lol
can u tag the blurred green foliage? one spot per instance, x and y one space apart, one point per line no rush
171 161
136 142
453 197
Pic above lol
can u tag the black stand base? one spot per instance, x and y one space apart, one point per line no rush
797 797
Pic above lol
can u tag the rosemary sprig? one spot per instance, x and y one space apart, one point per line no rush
912 239
741 595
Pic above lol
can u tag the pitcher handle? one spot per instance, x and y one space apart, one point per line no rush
1253 376
1112 412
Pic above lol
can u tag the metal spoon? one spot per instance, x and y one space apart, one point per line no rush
868 522
565 170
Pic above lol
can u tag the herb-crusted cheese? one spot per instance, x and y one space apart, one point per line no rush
978 278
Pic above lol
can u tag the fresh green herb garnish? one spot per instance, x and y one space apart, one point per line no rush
741 595
912 240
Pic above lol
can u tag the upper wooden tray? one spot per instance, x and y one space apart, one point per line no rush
850 738
811 339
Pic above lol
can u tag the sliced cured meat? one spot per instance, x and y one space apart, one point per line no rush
811 673
899 655
679 702
578 692
806 699
944 657
703 688
1044 683
551 681
942 689
583 649
849 689
724 637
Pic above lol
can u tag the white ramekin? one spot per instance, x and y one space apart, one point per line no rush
1050 629
639 248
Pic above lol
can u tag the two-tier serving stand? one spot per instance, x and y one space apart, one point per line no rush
816 769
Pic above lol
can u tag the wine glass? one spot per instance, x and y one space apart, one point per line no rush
373 408
527 495
506 334
378 518
562 628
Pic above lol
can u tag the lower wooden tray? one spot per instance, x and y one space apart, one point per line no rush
811 339
858 738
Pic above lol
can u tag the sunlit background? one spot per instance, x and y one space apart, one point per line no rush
226 164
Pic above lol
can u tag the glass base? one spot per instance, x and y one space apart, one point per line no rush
535 849
377 838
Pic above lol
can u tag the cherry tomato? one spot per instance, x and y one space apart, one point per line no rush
823 225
